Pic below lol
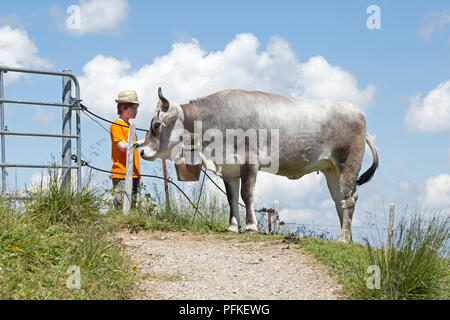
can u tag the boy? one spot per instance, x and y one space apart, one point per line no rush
127 106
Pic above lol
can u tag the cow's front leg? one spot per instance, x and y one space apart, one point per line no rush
232 188
248 177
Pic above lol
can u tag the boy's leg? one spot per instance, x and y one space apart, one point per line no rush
135 192
118 192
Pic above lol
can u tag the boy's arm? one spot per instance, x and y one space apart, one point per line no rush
122 145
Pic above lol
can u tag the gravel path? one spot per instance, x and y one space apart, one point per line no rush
182 265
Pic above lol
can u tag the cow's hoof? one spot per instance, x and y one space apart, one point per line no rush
345 240
251 229
234 229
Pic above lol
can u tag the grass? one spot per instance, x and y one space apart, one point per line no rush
347 262
61 228
58 229
417 267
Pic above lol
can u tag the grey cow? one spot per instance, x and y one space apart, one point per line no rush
304 136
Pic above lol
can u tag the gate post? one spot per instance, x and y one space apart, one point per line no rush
66 129
2 115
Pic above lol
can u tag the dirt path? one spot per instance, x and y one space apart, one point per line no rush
181 265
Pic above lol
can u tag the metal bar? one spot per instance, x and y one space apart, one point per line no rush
10 133
36 166
73 104
51 104
2 127
75 80
66 129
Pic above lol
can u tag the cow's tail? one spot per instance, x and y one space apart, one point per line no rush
366 176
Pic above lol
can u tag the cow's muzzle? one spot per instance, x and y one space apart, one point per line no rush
149 155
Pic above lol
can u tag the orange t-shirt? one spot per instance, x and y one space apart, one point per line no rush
119 158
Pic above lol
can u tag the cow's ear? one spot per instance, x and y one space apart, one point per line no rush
164 102
168 117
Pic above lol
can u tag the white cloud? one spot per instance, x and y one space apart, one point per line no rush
297 216
433 22
437 192
43 178
38 179
96 16
188 72
310 216
432 113
290 192
327 204
18 50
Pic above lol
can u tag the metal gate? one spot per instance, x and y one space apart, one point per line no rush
68 105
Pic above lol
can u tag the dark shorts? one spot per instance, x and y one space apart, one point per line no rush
119 192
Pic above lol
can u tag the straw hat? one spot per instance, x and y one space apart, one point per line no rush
128 96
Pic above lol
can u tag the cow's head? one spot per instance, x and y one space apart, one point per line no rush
165 131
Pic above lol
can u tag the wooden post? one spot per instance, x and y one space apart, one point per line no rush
391 225
269 220
166 185
129 170
276 217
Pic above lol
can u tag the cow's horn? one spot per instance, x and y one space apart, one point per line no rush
164 102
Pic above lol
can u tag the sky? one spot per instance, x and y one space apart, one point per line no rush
392 63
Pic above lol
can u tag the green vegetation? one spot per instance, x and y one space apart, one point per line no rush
416 267
60 228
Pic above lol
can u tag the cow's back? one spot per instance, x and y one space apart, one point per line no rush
314 126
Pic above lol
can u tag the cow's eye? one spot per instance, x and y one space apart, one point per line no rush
156 126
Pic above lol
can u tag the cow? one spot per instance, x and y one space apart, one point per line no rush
308 136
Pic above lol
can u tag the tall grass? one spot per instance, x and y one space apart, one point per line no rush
60 228
417 266
151 211
58 203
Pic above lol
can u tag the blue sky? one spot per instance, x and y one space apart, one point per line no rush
408 57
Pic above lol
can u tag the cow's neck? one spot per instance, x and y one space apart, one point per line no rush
190 115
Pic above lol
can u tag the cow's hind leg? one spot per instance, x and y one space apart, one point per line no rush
232 188
248 177
332 176
341 180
